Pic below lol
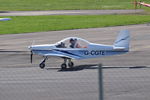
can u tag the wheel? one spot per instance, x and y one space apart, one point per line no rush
71 64
63 66
42 65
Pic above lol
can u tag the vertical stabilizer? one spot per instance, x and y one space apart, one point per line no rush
123 40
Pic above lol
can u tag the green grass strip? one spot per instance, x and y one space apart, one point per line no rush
7 5
26 24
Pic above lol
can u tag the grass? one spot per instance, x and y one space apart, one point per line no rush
25 24
7 5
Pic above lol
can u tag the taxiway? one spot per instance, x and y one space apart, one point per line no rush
20 80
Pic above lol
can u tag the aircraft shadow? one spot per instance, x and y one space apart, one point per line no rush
75 68
95 66
80 67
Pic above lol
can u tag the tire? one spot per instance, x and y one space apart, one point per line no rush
42 65
63 66
71 64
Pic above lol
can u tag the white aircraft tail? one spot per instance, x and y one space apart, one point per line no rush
122 41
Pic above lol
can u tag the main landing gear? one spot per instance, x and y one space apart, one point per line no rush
63 65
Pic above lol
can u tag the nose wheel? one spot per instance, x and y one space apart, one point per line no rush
42 64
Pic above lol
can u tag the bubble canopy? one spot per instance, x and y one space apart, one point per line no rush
77 41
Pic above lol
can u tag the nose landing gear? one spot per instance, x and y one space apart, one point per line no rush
42 64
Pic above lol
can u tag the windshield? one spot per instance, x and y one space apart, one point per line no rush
72 42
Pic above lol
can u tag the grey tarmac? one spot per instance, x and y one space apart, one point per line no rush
126 77
69 12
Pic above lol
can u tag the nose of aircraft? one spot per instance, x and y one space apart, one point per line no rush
33 47
30 47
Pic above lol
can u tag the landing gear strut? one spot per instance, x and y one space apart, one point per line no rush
42 64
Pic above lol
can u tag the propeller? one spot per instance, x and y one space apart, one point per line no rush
31 56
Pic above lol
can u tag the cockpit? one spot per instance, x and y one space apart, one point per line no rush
72 42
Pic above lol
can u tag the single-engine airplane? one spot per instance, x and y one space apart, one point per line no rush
78 48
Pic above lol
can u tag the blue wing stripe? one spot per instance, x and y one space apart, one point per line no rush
67 52
53 52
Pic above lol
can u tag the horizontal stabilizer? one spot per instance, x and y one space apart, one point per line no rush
119 48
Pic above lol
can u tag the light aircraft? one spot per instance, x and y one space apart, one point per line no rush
78 48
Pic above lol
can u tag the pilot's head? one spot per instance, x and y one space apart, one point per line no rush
71 40
75 40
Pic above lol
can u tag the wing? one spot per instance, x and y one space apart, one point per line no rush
58 53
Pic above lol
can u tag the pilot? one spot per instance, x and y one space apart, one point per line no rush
74 44
77 44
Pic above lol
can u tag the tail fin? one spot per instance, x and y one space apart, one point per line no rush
122 41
